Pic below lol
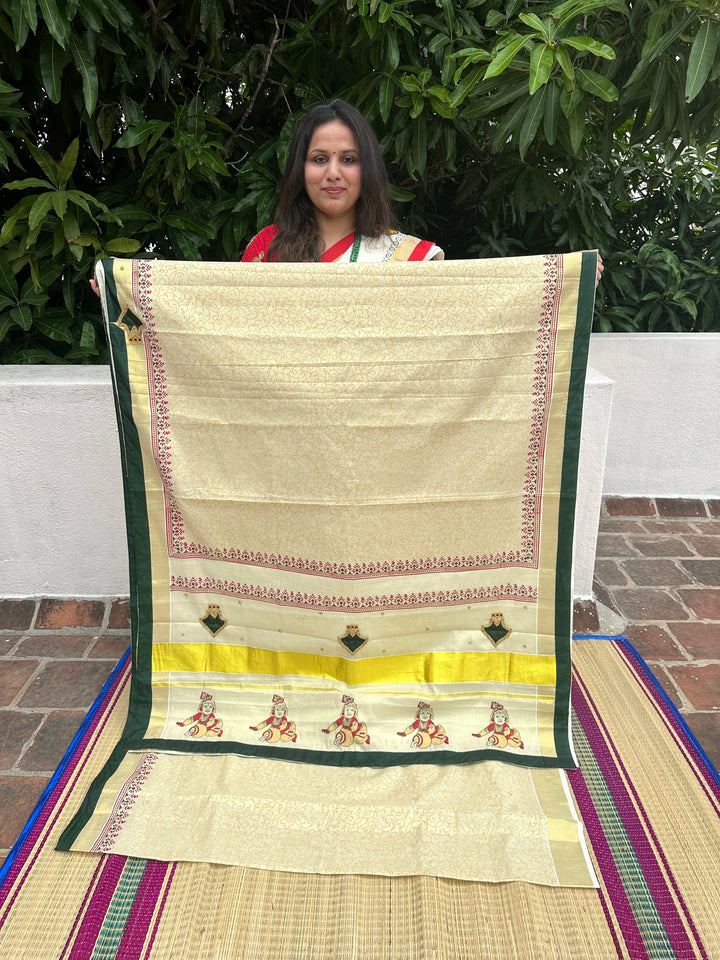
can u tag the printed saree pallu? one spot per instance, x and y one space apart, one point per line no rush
350 498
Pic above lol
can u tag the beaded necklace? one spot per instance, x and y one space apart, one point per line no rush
353 253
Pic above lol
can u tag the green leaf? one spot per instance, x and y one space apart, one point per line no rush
385 12
448 7
148 129
20 26
8 283
123 245
552 113
576 127
438 42
85 65
597 85
6 323
52 61
71 228
653 52
34 355
371 26
45 162
659 86
401 196
27 183
494 18
55 21
656 22
534 21
504 58
39 211
701 59
9 229
419 146
55 329
36 298
442 107
87 337
687 303
29 10
22 316
563 59
573 9
508 124
385 97
541 61
533 116
466 86
67 163
211 17
393 50
569 99
590 45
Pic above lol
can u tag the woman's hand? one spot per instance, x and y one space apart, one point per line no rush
94 286
600 268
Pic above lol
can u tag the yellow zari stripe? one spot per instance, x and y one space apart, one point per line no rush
424 668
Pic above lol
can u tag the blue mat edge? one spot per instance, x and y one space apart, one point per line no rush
657 687
89 717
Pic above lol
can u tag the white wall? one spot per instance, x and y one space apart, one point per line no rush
664 437
62 520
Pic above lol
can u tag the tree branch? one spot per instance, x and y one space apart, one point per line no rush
261 79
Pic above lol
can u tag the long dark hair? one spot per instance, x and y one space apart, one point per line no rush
297 237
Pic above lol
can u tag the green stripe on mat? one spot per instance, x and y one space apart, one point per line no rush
113 927
641 899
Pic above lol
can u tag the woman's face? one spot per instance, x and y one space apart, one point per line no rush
332 169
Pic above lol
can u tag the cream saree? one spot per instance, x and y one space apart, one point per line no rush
350 501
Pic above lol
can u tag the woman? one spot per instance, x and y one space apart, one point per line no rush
334 203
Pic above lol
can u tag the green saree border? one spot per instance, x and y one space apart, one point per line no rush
141 607
365 758
568 497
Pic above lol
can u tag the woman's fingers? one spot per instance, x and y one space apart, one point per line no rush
600 268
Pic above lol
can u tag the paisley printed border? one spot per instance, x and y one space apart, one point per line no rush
311 601
124 803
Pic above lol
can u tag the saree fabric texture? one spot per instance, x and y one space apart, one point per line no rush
350 497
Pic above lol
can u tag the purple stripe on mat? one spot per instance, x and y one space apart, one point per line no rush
81 944
611 875
45 814
637 829
141 912
78 916
173 867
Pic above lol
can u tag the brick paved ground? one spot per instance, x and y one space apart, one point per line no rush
657 579
55 656
658 570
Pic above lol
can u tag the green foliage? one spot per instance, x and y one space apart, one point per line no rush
508 127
